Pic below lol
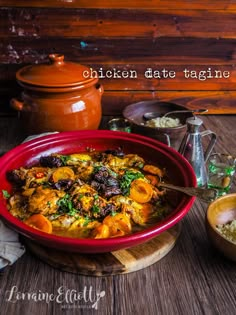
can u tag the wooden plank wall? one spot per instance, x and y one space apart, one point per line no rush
128 35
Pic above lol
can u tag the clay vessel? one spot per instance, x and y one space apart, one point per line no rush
58 96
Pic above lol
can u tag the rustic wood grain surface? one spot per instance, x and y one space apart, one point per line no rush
124 36
192 279
152 4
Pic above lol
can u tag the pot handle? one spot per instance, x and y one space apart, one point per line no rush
16 104
56 59
100 88
211 143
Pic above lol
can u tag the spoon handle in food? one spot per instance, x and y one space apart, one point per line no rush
201 110
205 194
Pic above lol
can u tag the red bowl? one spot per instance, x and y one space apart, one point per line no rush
179 171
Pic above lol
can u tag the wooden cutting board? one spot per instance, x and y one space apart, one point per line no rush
113 263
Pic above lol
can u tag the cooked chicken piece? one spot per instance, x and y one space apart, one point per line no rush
17 206
87 201
78 158
130 160
31 177
81 188
63 221
138 212
82 228
127 204
84 171
83 222
44 200
17 176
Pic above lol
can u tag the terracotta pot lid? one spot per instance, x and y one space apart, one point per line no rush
57 73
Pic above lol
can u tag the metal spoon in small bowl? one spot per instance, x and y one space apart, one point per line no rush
205 194
152 115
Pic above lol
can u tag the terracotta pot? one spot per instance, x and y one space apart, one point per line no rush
58 96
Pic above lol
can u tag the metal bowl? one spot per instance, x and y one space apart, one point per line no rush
134 113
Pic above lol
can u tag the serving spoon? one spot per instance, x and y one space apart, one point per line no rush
205 194
152 115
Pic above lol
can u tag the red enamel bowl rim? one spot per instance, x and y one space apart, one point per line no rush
98 245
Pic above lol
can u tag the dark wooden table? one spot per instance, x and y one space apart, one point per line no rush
192 279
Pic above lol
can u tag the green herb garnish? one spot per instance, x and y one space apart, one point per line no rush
80 196
65 205
113 213
97 168
64 159
95 209
46 185
6 194
87 220
72 212
127 179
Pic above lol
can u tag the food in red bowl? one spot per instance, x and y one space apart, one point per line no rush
177 171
